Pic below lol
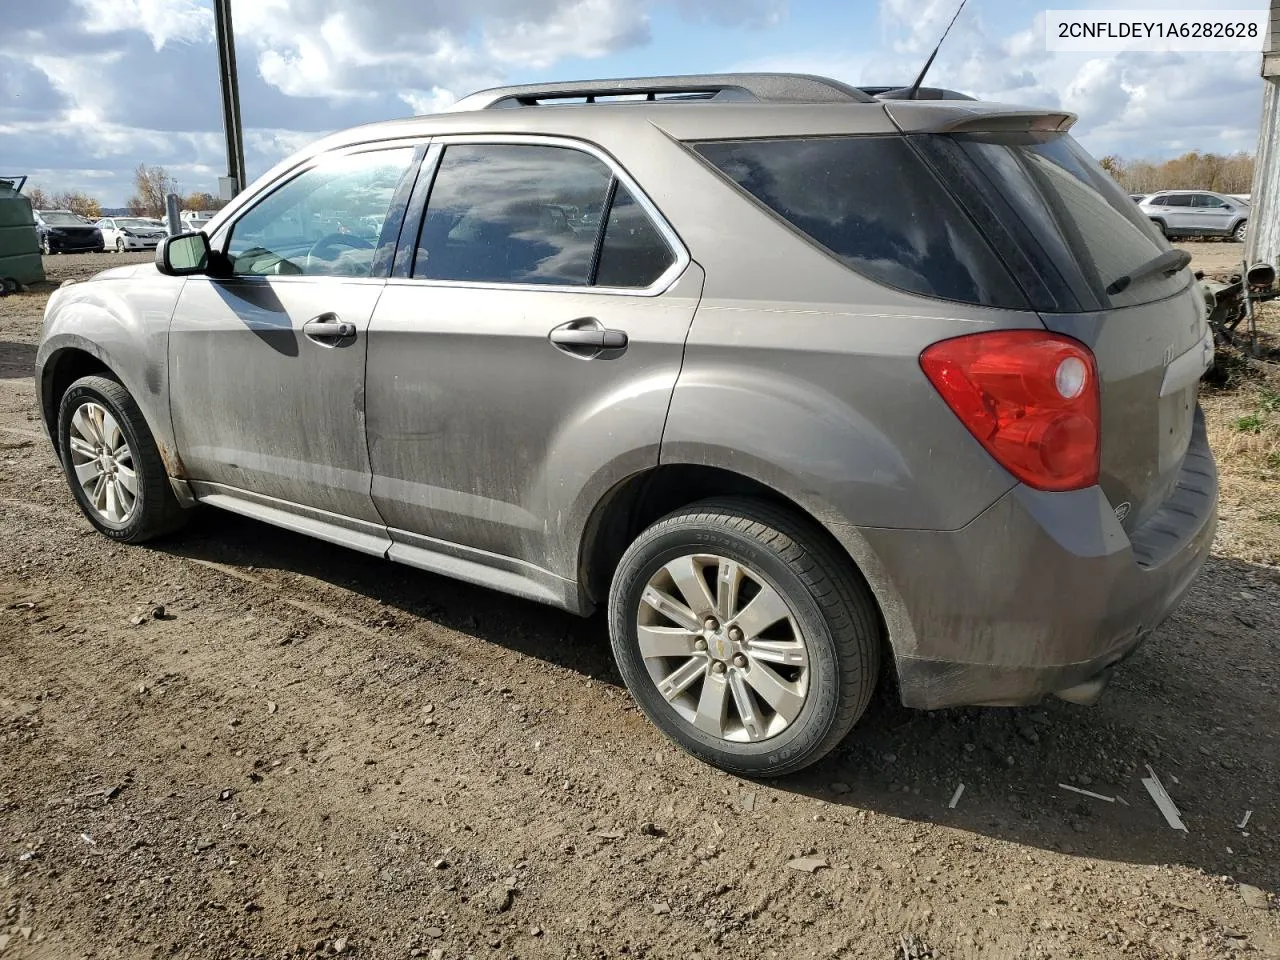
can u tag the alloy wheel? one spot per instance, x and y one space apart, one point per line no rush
103 463
723 647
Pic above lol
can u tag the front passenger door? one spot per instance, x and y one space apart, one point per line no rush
1212 215
1180 215
267 366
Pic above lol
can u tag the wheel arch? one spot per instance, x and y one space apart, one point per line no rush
63 360
643 498
63 367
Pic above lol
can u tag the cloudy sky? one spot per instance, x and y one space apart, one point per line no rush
90 88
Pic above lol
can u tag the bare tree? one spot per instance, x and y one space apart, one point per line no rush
1232 173
39 199
150 186
78 203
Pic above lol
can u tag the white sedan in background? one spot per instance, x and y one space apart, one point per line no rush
129 233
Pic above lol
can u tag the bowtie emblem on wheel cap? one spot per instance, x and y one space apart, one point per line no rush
721 648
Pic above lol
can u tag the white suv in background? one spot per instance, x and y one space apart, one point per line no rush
1197 213
129 233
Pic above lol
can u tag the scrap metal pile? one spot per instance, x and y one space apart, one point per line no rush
1232 302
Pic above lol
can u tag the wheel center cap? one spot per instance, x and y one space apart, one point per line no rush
720 646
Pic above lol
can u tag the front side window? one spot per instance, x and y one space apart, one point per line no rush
327 221
513 213
1206 200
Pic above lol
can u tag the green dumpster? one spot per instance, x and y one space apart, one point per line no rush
20 261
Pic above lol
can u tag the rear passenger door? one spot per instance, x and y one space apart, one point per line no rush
523 354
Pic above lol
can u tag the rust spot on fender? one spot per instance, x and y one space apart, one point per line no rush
173 464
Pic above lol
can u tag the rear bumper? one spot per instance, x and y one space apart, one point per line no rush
1043 592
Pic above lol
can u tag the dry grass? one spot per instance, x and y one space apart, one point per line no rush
1243 419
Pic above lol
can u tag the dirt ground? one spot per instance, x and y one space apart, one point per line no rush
313 752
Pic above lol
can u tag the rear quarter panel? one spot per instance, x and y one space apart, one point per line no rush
805 376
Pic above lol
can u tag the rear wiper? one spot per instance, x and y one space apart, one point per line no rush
1165 265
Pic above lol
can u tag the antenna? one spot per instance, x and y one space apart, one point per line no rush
913 91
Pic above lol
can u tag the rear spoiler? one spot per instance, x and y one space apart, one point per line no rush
913 116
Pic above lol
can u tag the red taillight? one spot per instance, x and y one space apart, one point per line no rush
1030 397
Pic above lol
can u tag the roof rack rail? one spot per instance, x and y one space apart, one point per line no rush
924 93
749 87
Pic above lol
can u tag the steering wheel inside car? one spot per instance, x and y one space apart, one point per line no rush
328 244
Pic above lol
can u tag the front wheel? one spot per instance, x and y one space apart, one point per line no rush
112 463
119 245
1164 230
744 635
1241 232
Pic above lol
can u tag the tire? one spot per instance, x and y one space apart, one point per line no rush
1241 233
829 610
1164 231
154 510
44 247
119 245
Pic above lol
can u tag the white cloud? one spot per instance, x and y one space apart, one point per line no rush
161 20
105 84
434 100
1135 104
579 28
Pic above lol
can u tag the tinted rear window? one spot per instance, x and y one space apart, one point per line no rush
872 203
1064 225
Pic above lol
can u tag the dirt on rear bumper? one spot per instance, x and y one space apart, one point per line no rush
1044 591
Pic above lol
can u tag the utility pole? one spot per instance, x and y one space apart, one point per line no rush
234 181
1263 242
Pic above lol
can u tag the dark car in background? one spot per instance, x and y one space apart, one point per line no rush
61 231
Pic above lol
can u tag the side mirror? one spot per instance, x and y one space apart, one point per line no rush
185 254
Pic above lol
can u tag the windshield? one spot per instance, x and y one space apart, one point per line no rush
1066 229
61 218
134 223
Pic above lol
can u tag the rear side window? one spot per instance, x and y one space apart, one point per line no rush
1179 200
1160 201
513 213
633 252
874 205
533 214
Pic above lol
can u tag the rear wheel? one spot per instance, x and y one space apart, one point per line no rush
112 463
1241 232
744 636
